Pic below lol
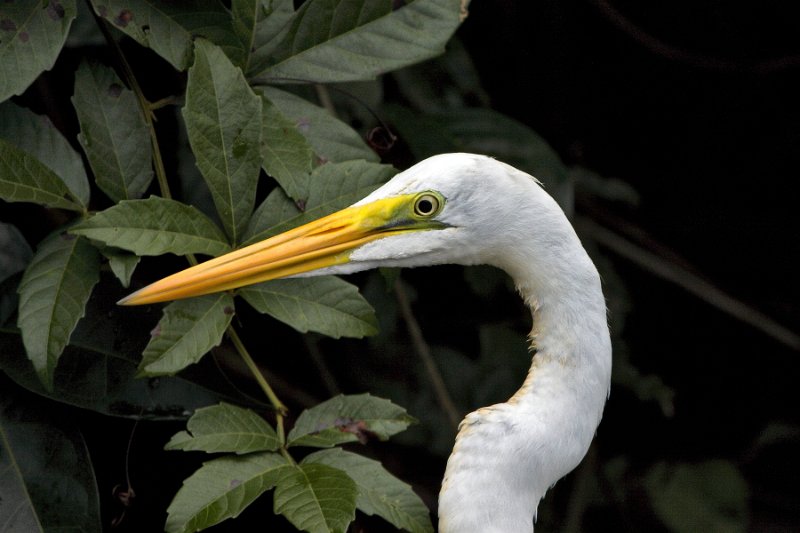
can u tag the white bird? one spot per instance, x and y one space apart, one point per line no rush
467 209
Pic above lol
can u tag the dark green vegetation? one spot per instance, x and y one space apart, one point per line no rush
167 132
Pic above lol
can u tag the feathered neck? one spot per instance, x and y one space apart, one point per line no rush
507 455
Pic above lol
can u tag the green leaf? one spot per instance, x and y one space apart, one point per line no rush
286 154
333 186
488 132
349 40
97 370
225 428
223 120
15 254
348 419
331 139
37 136
186 332
709 496
327 305
260 25
169 28
23 178
14 251
113 132
31 37
317 498
379 492
122 264
155 226
223 488
46 477
53 294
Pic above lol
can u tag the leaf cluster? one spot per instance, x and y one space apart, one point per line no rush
61 336
319 493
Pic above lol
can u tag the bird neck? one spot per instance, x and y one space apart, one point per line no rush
507 455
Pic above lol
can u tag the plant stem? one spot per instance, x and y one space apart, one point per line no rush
147 109
280 408
325 98
144 104
424 352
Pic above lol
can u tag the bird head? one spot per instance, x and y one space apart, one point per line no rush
451 208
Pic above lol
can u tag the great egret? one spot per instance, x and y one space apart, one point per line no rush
466 209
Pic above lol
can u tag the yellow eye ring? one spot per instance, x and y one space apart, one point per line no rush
426 205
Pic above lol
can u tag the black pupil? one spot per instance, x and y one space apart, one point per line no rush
425 207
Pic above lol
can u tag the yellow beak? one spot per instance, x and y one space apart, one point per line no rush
325 242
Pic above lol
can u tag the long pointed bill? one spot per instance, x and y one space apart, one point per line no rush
325 242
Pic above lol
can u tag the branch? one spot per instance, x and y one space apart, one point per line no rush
690 282
675 53
424 352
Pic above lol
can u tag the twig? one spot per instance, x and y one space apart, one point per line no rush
325 98
688 281
424 353
672 52
144 104
262 382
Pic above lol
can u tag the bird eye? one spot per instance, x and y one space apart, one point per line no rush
426 205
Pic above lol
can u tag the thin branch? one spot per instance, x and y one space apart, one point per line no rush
692 283
325 98
251 364
424 353
144 105
696 59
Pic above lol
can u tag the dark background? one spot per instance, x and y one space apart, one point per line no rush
694 104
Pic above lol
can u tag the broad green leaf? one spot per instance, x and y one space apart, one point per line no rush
52 297
20 514
122 264
98 369
348 40
36 135
223 488
46 477
488 132
23 178
709 496
31 37
225 428
317 498
286 154
260 25
331 139
169 28
186 332
333 186
14 251
348 419
379 492
155 226
113 132
327 305
15 254
223 120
